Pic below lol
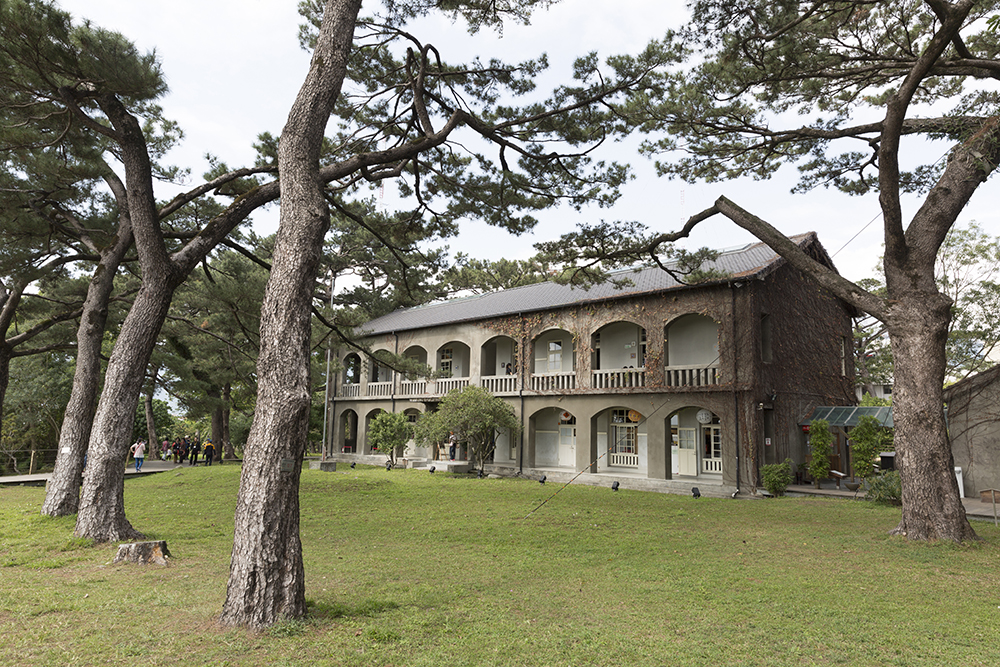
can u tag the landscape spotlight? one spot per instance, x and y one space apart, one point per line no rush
481 475
353 463
695 492
388 466
432 469
614 485
542 480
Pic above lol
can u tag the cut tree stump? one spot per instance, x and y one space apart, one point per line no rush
143 553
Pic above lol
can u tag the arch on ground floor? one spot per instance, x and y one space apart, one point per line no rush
551 438
347 432
696 434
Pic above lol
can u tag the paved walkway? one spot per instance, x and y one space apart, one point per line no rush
974 508
150 467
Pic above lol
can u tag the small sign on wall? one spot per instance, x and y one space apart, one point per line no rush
767 442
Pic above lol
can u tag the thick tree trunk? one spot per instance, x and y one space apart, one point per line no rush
932 505
227 443
62 496
102 506
266 578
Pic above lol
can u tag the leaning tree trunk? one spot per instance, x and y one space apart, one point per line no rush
932 504
266 577
102 505
62 495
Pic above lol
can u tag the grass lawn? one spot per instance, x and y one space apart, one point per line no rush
408 568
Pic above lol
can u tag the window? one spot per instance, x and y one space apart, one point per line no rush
555 356
641 361
446 356
624 434
765 338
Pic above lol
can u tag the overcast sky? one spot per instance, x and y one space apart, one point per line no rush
234 67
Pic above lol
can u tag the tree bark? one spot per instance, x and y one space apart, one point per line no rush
267 580
932 505
62 496
227 443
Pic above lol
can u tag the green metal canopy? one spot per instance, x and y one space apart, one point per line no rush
850 415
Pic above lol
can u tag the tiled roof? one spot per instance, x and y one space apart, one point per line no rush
750 261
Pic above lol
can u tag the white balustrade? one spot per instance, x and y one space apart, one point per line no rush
553 381
620 377
692 376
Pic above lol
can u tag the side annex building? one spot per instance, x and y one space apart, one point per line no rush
658 385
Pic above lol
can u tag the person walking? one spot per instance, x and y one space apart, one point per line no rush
139 454
195 449
209 452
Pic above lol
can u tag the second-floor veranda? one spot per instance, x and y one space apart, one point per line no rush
620 357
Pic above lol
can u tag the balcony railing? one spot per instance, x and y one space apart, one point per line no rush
444 385
692 376
711 465
553 381
621 377
413 387
625 460
350 390
380 388
500 384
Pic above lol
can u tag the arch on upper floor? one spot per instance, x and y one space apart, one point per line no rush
553 360
498 357
691 351
452 360
618 356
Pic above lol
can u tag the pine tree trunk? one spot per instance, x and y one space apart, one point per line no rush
147 401
101 515
266 579
932 505
62 496
227 443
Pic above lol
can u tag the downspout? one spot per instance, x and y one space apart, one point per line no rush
520 393
736 396
395 375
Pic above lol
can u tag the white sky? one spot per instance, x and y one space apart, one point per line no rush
234 67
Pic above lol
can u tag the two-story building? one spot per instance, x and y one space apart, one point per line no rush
659 384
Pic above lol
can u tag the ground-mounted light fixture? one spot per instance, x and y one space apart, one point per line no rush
542 480
695 492
431 469
388 466
614 485
353 463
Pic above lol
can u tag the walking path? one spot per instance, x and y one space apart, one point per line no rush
150 467
974 508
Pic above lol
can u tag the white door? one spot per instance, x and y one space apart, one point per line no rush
687 452
711 460
567 446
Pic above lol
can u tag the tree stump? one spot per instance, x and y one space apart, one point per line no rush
143 553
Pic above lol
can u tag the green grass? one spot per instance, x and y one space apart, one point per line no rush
407 568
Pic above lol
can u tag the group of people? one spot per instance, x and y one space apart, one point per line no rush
181 450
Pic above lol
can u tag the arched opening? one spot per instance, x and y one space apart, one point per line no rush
691 352
349 432
452 363
498 364
554 361
618 356
413 384
554 438
696 435
351 387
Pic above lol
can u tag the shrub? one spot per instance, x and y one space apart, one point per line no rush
886 488
777 477
820 440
